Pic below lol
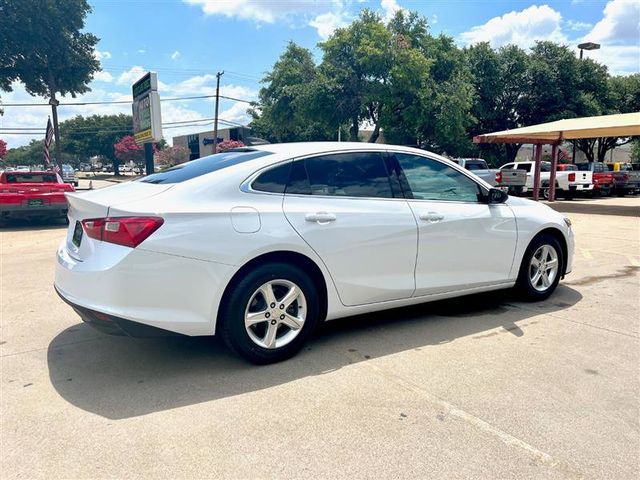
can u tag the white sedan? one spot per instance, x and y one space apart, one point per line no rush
260 244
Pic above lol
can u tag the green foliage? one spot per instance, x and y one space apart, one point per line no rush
43 46
635 151
86 137
282 116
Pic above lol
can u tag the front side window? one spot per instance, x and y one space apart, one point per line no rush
429 179
356 174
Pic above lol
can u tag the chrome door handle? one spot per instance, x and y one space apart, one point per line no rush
432 217
320 217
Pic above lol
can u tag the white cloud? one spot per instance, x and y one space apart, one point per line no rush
258 10
618 32
577 26
142 50
327 23
389 9
237 113
620 24
175 55
104 55
103 76
521 28
130 76
323 15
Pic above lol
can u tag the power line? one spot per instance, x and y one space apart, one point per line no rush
115 102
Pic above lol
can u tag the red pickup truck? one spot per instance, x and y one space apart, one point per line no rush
603 179
33 194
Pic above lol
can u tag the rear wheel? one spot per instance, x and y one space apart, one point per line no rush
270 313
541 268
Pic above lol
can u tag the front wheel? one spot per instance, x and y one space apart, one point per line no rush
270 313
541 268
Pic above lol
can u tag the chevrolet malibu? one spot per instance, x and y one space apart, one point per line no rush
260 244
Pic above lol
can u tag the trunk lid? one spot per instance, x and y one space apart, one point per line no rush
96 204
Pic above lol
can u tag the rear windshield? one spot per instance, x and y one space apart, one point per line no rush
31 178
202 166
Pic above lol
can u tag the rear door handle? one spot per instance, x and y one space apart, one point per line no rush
320 217
431 217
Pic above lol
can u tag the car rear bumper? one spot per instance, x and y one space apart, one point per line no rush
114 325
584 187
24 210
168 292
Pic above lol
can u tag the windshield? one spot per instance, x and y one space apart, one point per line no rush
202 166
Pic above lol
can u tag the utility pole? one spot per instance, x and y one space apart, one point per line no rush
215 122
56 130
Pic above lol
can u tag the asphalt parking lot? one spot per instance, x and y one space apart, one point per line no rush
478 387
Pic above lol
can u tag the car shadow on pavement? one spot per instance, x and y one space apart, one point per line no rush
120 377
591 208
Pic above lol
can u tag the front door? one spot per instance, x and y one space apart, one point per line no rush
462 241
344 207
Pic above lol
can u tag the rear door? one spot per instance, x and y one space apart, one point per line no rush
463 242
351 213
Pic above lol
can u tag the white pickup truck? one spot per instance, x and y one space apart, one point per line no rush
568 182
513 180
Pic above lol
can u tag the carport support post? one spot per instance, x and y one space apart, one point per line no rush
536 175
552 174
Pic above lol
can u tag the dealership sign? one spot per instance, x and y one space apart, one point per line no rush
147 121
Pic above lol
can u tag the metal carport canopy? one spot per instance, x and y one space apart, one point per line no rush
553 133
620 125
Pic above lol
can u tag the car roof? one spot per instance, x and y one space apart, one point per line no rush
309 148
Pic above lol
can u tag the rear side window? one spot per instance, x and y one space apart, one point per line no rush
526 167
273 180
475 165
202 166
357 174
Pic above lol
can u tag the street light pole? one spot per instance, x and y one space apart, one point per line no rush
215 121
583 46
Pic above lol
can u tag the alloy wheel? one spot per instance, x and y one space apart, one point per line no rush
543 268
275 314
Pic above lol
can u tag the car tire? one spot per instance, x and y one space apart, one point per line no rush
245 303
531 282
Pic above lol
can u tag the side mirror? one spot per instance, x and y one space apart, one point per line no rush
496 195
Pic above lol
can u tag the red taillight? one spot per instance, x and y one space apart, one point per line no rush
498 177
572 177
125 231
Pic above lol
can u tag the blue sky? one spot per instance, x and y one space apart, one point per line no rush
187 41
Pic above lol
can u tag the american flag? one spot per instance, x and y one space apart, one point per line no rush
47 142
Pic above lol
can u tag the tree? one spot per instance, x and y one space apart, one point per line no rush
3 148
499 80
170 156
635 151
283 114
127 150
43 46
622 96
86 137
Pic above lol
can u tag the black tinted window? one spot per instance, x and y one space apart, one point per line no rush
526 167
202 166
355 174
273 180
429 179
